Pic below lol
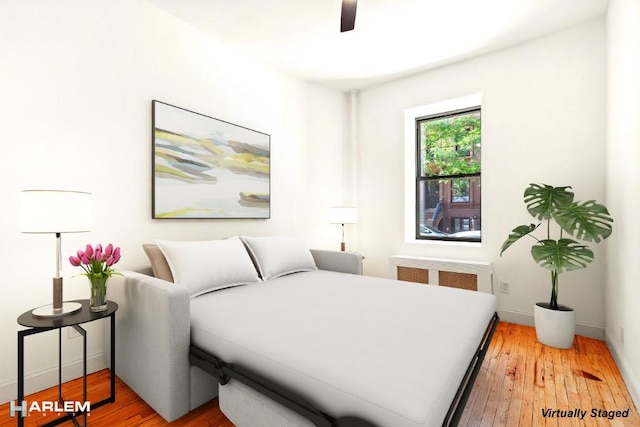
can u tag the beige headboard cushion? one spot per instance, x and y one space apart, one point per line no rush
159 264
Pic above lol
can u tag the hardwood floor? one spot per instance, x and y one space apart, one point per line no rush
129 410
519 379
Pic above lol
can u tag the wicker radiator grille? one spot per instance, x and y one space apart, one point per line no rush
410 274
445 278
458 280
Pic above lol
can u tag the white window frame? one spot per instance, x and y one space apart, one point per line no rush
410 116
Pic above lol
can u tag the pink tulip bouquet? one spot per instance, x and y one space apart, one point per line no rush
97 262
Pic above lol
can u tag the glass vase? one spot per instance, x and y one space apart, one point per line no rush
98 300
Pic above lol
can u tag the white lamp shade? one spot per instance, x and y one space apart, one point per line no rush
55 211
343 215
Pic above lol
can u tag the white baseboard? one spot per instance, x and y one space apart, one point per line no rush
49 377
630 380
520 318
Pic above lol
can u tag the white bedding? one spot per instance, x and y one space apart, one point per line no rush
393 353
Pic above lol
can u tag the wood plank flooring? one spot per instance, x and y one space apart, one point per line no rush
519 379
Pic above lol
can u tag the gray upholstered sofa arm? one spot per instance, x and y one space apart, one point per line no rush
152 341
342 262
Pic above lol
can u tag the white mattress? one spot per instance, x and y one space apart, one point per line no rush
393 353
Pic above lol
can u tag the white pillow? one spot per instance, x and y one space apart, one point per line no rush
276 256
203 266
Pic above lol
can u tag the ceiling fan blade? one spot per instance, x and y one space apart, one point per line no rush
348 21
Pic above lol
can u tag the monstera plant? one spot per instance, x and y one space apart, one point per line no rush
572 222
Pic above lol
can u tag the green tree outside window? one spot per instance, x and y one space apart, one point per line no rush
451 145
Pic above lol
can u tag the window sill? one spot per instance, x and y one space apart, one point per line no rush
443 243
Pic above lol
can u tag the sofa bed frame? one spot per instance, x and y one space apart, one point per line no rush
224 372
156 359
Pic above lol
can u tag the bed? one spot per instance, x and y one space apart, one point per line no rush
320 347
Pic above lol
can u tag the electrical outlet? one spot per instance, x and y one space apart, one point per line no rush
72 333
622 335
504 287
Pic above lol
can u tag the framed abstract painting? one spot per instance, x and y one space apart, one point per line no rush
207 168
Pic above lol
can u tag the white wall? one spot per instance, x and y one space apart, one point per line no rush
623 178
76 82
543 121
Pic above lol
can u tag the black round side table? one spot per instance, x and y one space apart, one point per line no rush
74 320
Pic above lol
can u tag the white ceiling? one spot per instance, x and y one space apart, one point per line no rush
392 38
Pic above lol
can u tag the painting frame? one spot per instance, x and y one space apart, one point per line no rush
207 168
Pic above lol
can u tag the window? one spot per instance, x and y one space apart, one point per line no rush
460 190
448 176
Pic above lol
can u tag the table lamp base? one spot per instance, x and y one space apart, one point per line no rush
48 310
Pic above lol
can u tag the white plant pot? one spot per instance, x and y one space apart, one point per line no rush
555 328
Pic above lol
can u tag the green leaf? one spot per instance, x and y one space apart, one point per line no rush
517 233
562 255
542 199
588 220
451 145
